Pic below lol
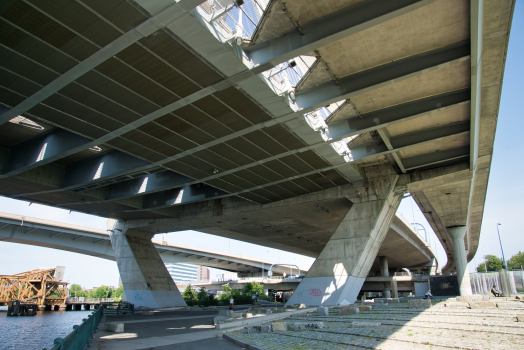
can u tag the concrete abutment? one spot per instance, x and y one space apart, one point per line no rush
339 272
145 278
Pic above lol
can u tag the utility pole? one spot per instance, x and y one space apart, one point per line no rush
503 259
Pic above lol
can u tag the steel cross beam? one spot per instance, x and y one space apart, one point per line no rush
374 78
168 180
380 13
440 157
330 29
144 29
412 139
399 113
362 82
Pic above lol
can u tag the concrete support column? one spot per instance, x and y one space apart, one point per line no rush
433 268
340 270
145 278
384 271
505 286
459 252
394 287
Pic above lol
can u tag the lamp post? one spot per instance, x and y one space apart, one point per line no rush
425 233
503 259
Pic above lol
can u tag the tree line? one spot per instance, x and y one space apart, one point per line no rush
249 289
494 263
75 290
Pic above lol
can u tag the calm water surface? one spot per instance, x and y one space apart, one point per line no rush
36 332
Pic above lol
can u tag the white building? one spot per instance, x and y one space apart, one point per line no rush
187 272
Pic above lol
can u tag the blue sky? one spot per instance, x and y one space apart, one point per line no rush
504 203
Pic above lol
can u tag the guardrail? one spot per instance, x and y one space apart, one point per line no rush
118 308
220 302
81 335
89 300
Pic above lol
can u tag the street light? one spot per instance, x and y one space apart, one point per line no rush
425 233
503 259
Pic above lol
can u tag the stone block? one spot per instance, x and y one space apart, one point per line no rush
306 326
510 305
520 318
485 297
279 326
468 298
300 306
322 311
147 313
364 324
259 328
419 304
221 319
195 308
253 310
288 306
236 314
379 305
247 314
365 308
348 310
115 327
224 313
457 305
482 304
393 301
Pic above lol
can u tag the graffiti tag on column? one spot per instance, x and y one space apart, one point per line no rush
315 292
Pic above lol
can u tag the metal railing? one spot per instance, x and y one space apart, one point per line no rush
89 300
118 308
81 335
206 303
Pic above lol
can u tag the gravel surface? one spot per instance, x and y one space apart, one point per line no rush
439 327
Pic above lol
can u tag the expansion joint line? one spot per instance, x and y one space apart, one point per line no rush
319 57
295 23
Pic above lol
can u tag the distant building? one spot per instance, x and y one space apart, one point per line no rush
203 273
186 272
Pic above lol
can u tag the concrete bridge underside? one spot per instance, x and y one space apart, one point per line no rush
156 115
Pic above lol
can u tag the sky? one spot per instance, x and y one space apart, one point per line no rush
504 203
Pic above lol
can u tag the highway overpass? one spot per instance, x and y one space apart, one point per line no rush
97 243
403 247
296 125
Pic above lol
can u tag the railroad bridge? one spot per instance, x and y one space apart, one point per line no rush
293 124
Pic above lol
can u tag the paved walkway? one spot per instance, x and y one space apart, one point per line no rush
180 329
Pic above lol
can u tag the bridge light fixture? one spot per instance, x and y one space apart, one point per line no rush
238 40
291 94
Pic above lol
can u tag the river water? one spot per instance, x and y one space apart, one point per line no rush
36 332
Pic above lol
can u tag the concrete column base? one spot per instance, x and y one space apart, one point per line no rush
327 291
394 287
145 278
459 251
339 272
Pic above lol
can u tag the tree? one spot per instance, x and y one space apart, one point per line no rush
74 290
516 261
202 294
102 292
226 288
253 288
189 294
117 293
493 263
